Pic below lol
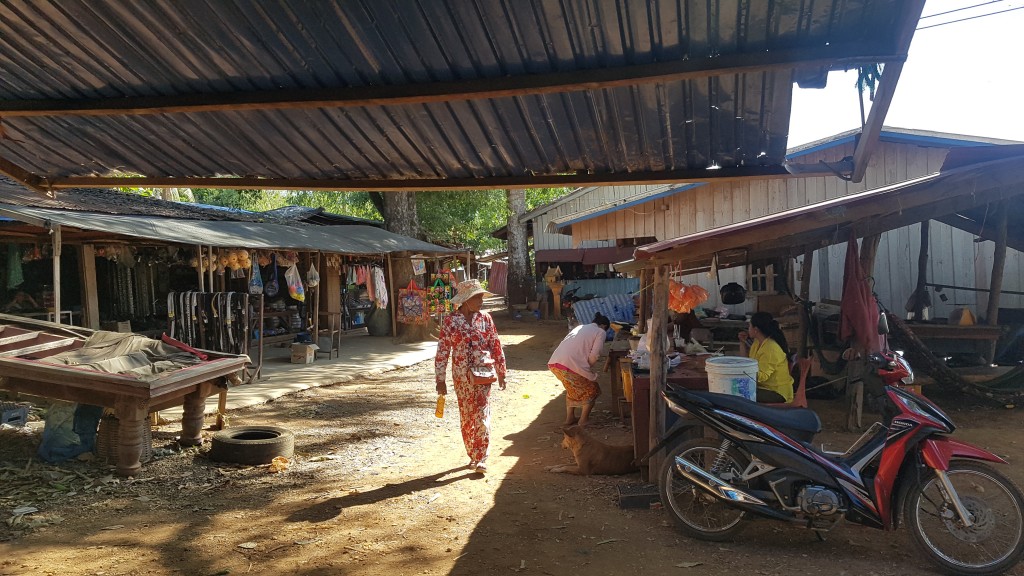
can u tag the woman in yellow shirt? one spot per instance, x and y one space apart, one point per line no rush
764 341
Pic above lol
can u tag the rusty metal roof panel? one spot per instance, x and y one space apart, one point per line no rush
76 50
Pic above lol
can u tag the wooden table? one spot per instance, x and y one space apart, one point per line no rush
947 339
688 375
617 352
21 370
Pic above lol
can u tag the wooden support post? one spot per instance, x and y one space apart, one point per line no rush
659 322
922 273
556 297
645 300
392 298
995 285
90 291
855 384
199 266
805 295
55 232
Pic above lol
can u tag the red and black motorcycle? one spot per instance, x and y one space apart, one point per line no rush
964 515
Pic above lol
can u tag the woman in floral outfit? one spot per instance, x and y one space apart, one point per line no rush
463 331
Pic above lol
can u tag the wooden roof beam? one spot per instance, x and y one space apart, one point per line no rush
28 179
431 184
872 129
836 56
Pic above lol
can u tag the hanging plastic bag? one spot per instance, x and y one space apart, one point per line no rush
272 287
312 277
294 280
255 280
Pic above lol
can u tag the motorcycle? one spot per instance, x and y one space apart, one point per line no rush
964 515
569 298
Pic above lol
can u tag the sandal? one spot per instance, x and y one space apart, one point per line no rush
473 464
481 468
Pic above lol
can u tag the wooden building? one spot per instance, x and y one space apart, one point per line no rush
958 261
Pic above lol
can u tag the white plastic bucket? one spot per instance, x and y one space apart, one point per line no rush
734 375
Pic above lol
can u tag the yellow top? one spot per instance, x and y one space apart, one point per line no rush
772 368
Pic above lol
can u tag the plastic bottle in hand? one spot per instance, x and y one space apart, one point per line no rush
439 411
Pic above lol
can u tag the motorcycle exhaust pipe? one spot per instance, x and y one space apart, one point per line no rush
731 495
716 486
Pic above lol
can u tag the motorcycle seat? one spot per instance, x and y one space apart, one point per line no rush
802 423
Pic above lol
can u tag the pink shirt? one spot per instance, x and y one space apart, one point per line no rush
579 349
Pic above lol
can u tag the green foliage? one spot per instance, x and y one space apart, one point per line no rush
452 218
253 200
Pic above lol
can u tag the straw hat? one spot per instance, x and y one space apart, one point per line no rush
466 290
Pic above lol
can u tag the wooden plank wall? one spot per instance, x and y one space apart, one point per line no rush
956 258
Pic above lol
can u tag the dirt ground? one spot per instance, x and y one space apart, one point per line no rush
378 487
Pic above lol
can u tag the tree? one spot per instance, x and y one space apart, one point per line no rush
520 281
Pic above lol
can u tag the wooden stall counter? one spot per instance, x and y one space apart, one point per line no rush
689 374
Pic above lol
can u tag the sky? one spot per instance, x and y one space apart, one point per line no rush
963 78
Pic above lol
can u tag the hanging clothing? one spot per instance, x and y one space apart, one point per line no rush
380 288
15 276
459 338
858 321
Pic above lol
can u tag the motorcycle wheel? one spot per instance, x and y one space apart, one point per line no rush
695 512
992 545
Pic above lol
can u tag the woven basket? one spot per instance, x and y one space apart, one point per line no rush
110 433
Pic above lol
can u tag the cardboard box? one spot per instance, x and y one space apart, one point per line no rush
304 353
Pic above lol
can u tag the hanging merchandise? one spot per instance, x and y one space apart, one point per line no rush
418 266
15 276
380 288
255 280
312 277
412 305
272 287
684 298
439 297
733 293
294 280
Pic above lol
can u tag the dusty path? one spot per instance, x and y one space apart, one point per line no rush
378 488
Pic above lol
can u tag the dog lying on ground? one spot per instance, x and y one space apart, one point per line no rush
593 456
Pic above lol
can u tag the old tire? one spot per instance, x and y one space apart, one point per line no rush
252 444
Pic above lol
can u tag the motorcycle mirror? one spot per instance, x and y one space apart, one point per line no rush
883 323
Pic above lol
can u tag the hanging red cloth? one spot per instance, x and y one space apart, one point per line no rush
858 322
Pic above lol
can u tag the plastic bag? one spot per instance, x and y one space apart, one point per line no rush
272 288
312 277
294 280
70 430
255 280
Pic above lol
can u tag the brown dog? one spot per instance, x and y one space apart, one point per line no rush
593 456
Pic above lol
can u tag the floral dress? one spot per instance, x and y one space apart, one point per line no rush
459 337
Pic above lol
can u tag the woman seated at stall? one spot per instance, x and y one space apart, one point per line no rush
764 341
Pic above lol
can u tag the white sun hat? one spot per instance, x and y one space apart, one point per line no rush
466 290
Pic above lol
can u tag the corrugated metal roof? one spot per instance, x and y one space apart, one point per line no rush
363 94
355 239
